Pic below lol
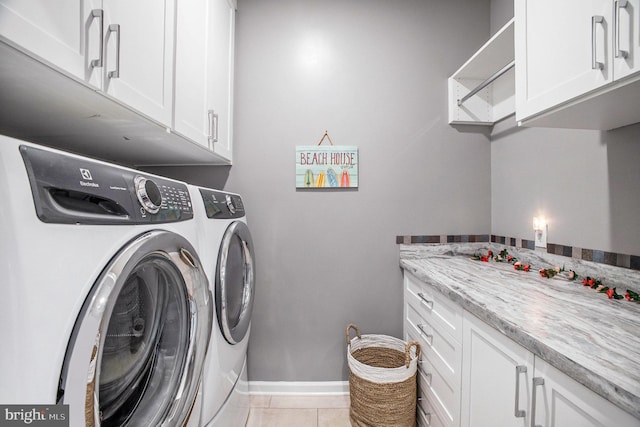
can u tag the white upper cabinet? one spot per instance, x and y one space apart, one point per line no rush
626 39
65 33
558 51
138 55
191 97
121 47
576 63
204 73
221 76
151 80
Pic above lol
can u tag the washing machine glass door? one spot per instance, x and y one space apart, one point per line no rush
235 281
141 341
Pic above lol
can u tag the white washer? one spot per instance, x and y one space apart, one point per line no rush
227 253
104 305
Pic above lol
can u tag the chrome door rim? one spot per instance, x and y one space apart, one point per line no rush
94 321
234 333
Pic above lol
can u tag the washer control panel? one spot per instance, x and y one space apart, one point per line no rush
71 189
221 205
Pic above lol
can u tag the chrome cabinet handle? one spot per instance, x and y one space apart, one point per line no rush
536 382
425 334
115 28
425 300
215 127
210 114
595 65
98 13
620 4
519 413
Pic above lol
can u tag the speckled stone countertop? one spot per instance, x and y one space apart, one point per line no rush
591 338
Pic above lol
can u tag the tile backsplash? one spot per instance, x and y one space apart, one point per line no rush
593 255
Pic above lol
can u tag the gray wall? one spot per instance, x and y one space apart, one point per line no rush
373 74
328 258
501 13
586 183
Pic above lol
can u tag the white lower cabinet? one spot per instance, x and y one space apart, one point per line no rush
560 401
471 375
436 324
496 373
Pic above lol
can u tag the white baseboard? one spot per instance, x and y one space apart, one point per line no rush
284 388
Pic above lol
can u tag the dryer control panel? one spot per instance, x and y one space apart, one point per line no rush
71 189
221 205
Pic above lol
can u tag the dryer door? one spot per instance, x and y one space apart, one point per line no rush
235 282
136 355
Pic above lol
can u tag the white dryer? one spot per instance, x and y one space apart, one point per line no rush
227 253
104 305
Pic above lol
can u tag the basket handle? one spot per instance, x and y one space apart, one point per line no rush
407 352
355 328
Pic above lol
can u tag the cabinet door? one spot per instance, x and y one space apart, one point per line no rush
64 33
221 64
139 47
496 373
562 50
561 401
204 73
626 38
191 79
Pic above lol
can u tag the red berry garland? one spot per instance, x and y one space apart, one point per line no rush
549 273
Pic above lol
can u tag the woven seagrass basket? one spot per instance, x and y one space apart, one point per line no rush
382 380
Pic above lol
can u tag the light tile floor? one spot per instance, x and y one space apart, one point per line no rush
299 411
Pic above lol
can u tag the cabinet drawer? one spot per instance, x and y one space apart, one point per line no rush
427 417
443 394
433 306
439 392
443 354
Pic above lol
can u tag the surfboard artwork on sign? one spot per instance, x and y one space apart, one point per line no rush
329 166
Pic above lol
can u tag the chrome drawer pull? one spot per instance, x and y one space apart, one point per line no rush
425 300
425 415
427 375
425 334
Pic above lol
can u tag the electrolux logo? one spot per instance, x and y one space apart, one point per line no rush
34 415
88 179
86 174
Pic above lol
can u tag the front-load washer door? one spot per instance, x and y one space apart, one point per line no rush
235 282
138 348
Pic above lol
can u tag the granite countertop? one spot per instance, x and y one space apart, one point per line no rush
589 337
